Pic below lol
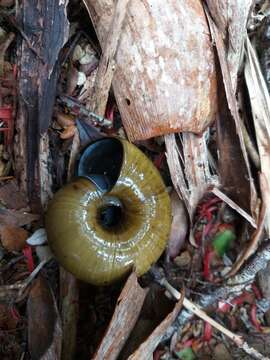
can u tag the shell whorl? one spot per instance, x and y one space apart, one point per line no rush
101 254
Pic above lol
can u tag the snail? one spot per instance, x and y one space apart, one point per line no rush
114 217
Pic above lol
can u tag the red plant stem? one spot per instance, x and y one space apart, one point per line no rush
253 318
27 251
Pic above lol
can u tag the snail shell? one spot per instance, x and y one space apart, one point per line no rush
114 218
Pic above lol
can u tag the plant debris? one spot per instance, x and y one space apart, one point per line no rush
188 83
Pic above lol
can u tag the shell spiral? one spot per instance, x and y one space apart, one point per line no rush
98 252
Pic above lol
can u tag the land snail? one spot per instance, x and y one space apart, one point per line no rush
114 217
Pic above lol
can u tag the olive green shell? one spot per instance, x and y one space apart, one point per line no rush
98 255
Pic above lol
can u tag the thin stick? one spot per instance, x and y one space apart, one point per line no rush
234 206
70 102
252 151
190 306
33 274
253 243
3 178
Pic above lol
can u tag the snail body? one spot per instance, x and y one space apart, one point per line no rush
114 217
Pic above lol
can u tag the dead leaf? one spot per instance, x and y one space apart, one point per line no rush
107 65
221 352
190 170
260 105
7 320
13 238
65 120
68 132
228 106
11 196
219 12
72 79
16 217
231 17
169 105
7 3
179 227
44 328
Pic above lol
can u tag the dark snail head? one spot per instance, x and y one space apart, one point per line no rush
114 217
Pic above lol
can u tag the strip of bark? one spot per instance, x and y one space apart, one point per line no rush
69 298
107 64
37 81
126 313
231 109
146 349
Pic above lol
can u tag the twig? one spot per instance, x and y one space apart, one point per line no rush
31 277
75 148
70 102
251 149
234 206
4 178
107 64
190 306
15 292
253 243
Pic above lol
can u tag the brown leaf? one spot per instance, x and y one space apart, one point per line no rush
190 171
44 329
230 17
221 352
7 320
232 133
126 313
260 106
68 132
106 67
173 75
179 227
11 196
13 238
219 12
16 217
7 3
65 120
72 80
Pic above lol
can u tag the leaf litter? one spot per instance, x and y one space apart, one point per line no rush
216 261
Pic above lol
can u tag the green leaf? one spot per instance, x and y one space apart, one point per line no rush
186 354
222 241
